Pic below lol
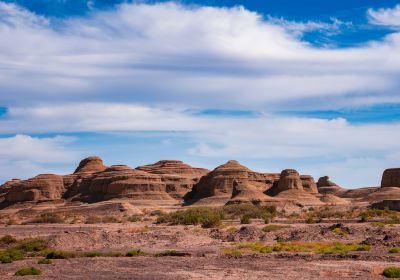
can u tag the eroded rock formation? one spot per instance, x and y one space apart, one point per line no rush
121 181
391 178
178 176
41 187
90 165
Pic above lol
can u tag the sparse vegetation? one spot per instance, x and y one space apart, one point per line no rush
311 247
100 220
56 254
135 252
245 219
48 218
172 253
391 272
207 217
232 252
394 250
270 228
31 245
135 218
10 255
8 239
252 211
45 261
28 271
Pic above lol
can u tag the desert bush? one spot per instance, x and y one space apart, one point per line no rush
312 247
270 228
56 254
253 211
245 219
31 245
28 271
45 261
394 250
207 217
232 252
48 218
135 252
8 239
135 218
10 255
172 253
391 272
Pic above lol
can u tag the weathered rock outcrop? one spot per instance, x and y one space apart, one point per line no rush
175 167
232 182
90 165
247 193
326 186
39 188
121 181
391 178
309 184
178 176
289 179
219 182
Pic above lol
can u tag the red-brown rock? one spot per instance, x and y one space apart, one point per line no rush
41 187
90 165
391 178
178 176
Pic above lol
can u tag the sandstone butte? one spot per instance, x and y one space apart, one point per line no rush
174 180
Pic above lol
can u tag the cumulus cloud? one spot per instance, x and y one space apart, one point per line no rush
386 17
191 56
22 156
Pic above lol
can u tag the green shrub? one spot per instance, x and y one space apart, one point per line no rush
31 245
245 219
232 252
10 255
339 231
172 253
312 247
48 218
207 217
55 254
394 250
28 271
270 228
253 211
392 272
45 261
8 239
135 252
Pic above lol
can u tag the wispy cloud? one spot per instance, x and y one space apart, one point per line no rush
389 17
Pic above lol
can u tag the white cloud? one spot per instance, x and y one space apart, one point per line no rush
191 56
354 154
386 17
23 156
299 28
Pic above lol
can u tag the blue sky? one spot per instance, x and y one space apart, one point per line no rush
311 85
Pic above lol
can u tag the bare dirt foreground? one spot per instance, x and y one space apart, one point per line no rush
205 251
